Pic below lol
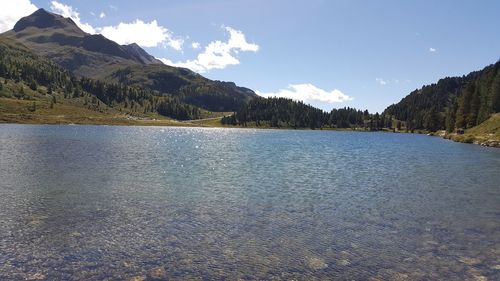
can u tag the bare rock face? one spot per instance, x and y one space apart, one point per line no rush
43 19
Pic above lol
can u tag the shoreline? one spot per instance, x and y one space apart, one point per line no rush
465 138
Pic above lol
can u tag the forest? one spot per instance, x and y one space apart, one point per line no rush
287 113
452 103
19 65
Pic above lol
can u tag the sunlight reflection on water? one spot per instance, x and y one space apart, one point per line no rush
92 203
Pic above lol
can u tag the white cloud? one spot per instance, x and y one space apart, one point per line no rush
12 11
69 12
381 81
308 93
218 54
146 34
195 45
143 33
432 50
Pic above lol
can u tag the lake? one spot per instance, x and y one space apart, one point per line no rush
157 203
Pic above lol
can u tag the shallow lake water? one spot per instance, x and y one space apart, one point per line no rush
153 203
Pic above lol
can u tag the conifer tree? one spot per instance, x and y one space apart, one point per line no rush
495 93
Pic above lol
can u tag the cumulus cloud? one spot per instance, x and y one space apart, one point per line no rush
432 50
195 45
218 54
69 12
381 81
308 93
143 33
12 11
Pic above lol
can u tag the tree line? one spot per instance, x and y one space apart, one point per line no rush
288 113
452 103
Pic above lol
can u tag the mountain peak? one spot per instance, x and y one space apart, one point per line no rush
134 45
41 18
138 53
42 11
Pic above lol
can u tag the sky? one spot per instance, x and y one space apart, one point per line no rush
327 53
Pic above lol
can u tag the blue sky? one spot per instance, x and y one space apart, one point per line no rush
363 54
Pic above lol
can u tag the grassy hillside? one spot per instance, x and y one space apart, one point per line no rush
34 90
29 106
59 40
486 133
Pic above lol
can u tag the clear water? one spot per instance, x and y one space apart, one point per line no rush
99 202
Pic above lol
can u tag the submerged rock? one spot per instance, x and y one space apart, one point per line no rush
158 273
76 234
344 262
316 263
137 278
401 276
476 275
36 276
469 261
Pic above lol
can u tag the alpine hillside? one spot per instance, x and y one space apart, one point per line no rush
61 41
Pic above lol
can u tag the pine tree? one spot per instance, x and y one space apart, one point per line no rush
495 93
463 110
450 118
475 104
431 120
33 85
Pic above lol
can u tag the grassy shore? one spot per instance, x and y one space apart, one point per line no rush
486 133
44 112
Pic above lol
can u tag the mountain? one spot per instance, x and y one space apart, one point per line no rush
36 90
61 41
451 103
140 54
